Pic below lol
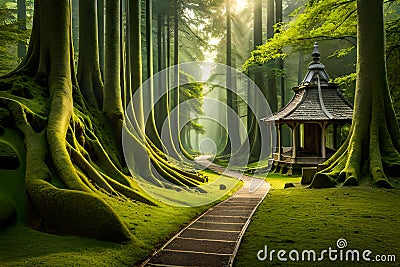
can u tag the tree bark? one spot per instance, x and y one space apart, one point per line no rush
252 124
21 18
100 16
75 25
88 75
135 43
233 141
279 19
67 138
112 107
151 128
60 207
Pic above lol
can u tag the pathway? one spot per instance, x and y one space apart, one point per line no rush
213 238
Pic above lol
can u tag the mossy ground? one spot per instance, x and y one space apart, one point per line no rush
367 217
20 245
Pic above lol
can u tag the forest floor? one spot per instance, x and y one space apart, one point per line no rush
22 246
366 217
314 219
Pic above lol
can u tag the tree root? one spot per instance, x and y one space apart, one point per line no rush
353 161
66 211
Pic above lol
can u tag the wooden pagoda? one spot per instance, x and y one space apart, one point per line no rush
316 104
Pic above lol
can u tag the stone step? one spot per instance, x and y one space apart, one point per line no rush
227 212
199 245
218 226
180 258
210 235
213 239
223 219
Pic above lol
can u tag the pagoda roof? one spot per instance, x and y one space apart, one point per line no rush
315 99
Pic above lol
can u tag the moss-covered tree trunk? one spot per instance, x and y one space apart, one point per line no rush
373 145
88 75
101 31
59 132
112 102
151 127
135 60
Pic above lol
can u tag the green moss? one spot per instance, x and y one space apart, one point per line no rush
77 213
151 225
315 219
27 92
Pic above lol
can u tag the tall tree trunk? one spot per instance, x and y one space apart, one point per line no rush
136 65
233 141
252 124
373 144
175 95
128 85
75 25
89 76
157 88
163 38
271 77
112 107
100 18
122 52
279 19
174 121
21 18
151 128
149 41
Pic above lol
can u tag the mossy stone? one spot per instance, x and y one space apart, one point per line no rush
308 175
8 157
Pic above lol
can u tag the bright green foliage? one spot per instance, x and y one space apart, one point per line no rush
332 20
193 92
324 20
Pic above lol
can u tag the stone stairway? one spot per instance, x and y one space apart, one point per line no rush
214 237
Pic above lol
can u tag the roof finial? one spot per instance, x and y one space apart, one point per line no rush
316 55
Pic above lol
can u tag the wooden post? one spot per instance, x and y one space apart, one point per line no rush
294 141
323 139
279 142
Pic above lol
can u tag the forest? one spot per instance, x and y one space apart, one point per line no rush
123 121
